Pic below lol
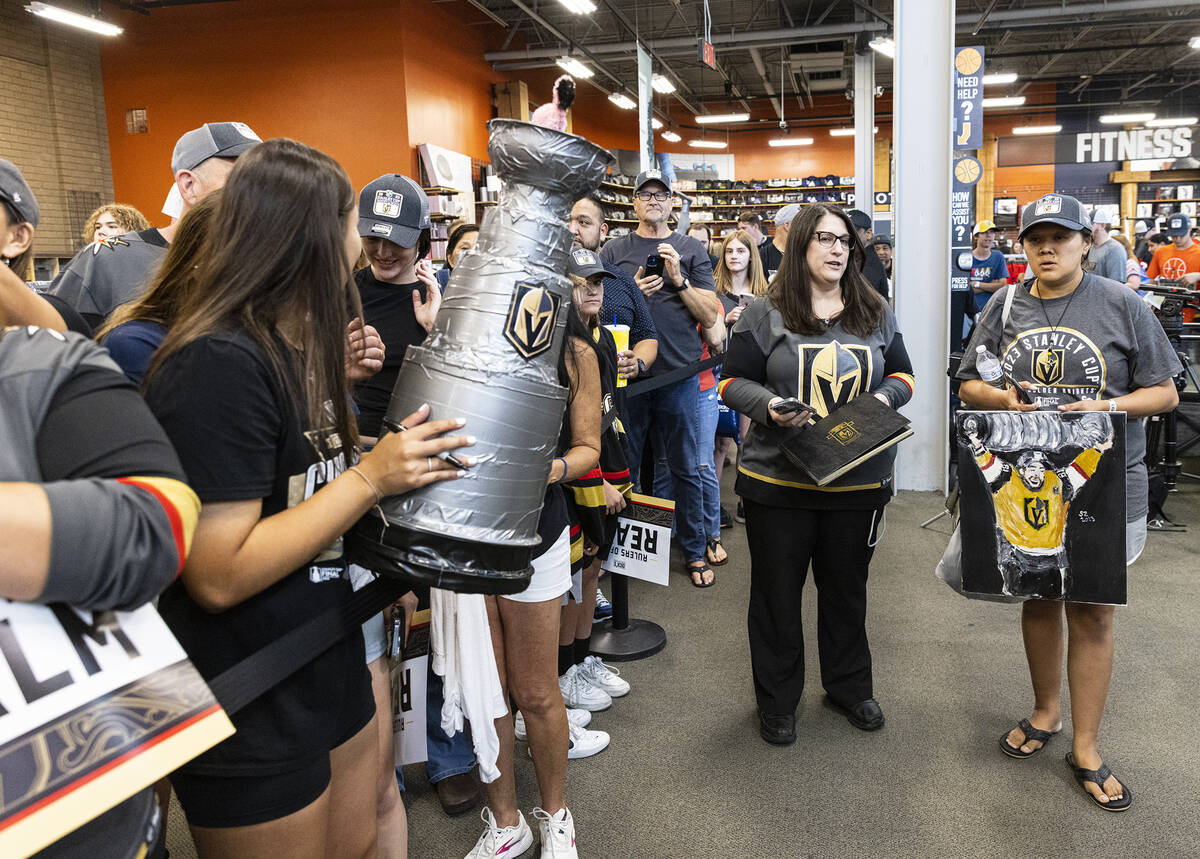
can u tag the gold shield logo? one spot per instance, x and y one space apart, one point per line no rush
1048 366
531 316
833 374
844 433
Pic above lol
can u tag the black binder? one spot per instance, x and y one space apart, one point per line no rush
854 433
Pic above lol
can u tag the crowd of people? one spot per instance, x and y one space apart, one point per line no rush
245 362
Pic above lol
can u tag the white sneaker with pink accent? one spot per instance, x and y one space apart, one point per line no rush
558 834
506 842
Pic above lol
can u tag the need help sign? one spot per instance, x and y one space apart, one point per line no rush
641 548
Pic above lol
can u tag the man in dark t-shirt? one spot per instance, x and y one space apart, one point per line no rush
678 288
872 267
771 250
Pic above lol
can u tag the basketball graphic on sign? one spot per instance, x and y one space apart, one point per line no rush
968 61
967 170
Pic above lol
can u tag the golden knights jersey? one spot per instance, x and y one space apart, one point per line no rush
1034 519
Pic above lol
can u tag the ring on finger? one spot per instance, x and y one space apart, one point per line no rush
429 463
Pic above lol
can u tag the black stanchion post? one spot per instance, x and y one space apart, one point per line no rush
621 639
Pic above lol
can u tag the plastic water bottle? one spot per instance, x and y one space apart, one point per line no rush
988 366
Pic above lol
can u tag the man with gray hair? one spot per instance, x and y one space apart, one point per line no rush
1107 255
109 273
771 251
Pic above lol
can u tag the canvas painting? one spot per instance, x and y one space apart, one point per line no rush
1042 504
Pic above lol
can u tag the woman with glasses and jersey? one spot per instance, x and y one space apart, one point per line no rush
1107 325
821 335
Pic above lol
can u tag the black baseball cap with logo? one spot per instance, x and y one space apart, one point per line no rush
395 208
1060 209
1178 225
15 193
652 175
584 263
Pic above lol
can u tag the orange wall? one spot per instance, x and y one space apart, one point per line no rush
308 69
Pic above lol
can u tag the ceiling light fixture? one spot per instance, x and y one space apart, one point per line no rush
671 136
999 78
74 19
1172 123
660 83
1125 118
707 144
655 123
790 141
622 101
572 66
1038 129
846 132
1194 43
884 45
1006 101
709 118
579 7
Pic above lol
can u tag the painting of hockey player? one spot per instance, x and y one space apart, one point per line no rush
1042 512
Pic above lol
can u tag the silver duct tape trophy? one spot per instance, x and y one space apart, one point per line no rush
492 357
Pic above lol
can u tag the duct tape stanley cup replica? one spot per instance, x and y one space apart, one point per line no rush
492 357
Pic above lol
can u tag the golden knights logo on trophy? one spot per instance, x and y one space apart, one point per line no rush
531 317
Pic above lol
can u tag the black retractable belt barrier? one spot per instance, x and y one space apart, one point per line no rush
622 639
242 683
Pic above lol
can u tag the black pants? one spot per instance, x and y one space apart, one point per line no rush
782 543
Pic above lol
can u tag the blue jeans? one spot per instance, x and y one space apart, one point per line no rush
707 414
668 417
447 755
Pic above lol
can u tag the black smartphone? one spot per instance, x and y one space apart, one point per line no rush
654 266
790 406
1022 394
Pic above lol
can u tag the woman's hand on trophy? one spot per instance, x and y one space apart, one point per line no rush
403 461
426 311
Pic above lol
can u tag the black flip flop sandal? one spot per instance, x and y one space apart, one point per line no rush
713 544
692 570
1031 733
1098 777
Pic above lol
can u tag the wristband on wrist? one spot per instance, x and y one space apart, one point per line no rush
367 480
564 464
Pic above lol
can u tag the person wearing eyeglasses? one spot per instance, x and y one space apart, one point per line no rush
821 335
675 275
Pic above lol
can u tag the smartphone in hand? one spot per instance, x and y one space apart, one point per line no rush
1022 394
654 266
790 406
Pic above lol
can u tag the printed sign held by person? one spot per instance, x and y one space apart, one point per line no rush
641 548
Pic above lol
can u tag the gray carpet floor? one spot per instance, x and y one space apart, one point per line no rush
687 774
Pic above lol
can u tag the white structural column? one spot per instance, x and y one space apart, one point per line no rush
864 139
922 130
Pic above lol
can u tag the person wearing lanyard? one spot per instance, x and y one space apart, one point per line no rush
1107 326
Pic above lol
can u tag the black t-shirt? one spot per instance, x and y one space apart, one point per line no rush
389 307
240 436
772 258
873 271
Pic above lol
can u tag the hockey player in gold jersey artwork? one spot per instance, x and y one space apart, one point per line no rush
1042 503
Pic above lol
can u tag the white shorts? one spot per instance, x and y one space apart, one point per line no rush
372 630
1135 539
551 573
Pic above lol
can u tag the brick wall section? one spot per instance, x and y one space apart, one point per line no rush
52 122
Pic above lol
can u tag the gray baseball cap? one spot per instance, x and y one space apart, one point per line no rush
1059 209
393 207
787 214
1178 225
14 191
652 175
585 263
212 140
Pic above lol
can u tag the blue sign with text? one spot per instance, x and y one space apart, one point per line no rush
968 98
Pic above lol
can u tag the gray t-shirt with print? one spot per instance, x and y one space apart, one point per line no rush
1101 341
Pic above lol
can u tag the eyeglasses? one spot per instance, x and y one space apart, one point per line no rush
826 240
646 196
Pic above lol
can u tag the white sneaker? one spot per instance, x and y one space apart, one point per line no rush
581 694
585 743
558 834
506 843
578 718
594 671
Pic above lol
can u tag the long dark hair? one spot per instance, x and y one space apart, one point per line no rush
576 330
169 291
790 291
276 258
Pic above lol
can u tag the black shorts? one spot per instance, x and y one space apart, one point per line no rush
226 801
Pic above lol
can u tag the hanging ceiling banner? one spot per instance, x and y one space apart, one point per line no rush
645 73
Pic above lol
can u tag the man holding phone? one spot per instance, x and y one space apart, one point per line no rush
674 273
